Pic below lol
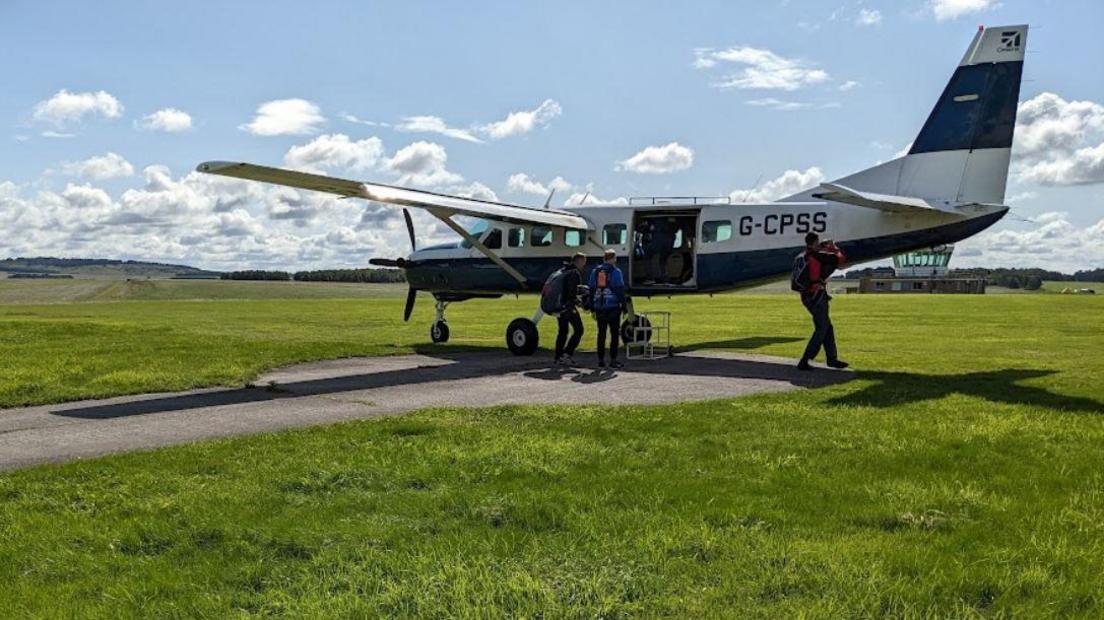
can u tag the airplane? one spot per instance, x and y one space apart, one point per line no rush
949 186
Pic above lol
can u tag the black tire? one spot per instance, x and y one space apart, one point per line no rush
522 337
627 329
439 332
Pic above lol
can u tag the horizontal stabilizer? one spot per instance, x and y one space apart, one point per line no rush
884 202
441 204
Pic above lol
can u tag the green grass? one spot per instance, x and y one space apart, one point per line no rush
961 474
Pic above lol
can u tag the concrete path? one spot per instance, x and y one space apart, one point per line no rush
357 388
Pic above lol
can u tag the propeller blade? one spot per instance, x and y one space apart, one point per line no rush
383 262
411 295
410 230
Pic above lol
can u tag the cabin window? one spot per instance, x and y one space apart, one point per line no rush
716 231
515 238
573 238
542 236
493 240
615 234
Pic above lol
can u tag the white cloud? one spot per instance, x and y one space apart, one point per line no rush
1059 142
849 85
57 134
66 107
169 120
335 151
1053 242
422 163
345 116
101 167
285 117
868 17
1081 167
588 198
434 124
474 190
521 182
670 157
951 9
523 121
787 106
788 184
762 69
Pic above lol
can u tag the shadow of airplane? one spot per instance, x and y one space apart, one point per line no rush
891 389
474 362
743 344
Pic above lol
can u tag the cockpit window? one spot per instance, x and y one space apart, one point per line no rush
476 230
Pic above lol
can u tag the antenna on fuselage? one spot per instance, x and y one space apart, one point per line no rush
548 203
747 194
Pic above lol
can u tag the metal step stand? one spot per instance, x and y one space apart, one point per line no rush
652 340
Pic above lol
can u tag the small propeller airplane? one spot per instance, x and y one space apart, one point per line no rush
949 186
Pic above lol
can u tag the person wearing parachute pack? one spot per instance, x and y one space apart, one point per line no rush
811 269
607 289
559 297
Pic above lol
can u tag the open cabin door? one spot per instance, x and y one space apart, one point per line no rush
665 248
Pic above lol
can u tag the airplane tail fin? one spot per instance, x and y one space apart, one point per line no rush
963 150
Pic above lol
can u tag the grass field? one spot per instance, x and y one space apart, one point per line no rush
960 474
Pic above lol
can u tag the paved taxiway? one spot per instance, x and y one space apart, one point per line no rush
357 388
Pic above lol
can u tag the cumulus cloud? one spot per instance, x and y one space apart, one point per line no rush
434 124
588 198
169 120
474 190
283 117
521 182
950 9
1052 240
760 69
66 107
335 151
422 163
789 183
1059 142
108 166
523 121
670 157
868 17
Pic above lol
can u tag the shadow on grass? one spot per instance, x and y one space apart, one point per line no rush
742 344
442 365
891 389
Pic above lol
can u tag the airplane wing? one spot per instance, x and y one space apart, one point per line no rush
444 204
886 202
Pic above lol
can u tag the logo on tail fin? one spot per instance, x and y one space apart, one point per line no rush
1010 41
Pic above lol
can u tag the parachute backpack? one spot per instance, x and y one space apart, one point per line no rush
799 277
552 292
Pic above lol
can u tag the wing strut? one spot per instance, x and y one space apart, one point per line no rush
444 216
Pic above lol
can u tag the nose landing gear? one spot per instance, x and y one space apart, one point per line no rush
439 331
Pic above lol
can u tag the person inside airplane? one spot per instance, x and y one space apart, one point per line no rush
811 270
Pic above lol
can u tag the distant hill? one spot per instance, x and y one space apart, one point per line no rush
101 268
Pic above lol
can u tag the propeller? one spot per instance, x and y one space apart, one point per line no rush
411 293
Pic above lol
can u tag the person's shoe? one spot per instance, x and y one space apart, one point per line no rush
601 363
558 361
567 360
838 364
616 364
804 365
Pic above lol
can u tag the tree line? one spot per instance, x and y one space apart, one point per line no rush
321 275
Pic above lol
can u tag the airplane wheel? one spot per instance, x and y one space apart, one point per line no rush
627 331
439 332
522 337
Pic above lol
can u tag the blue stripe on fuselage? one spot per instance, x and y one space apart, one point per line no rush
716 271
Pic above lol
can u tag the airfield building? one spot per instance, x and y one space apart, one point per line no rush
924 271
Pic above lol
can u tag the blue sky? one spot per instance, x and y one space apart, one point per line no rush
109 106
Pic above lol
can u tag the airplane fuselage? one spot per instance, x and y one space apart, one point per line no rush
714 247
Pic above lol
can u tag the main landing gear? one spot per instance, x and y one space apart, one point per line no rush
522 337
439 331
